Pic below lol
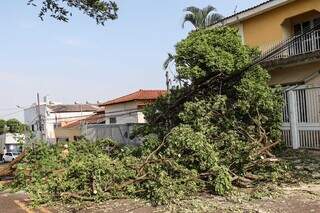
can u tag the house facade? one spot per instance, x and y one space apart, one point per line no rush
116 119
128 109
77 128
54 116
287 32
277 22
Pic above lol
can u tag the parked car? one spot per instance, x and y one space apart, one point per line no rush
10 156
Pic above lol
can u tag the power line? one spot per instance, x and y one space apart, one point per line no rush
7 109
13 113
16 110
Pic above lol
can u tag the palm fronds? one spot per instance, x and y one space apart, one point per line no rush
201 18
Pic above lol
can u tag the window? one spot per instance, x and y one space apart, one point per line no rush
76 138
62 139
303 27
306 26
297 29
308 42
34 127
8 154
113 120
316 22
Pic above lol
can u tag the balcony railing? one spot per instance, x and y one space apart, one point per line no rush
294 46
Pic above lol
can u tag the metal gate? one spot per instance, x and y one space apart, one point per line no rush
301 117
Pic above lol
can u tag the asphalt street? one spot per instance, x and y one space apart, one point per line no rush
18 203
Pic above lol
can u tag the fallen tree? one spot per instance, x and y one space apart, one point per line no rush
9 169
214 132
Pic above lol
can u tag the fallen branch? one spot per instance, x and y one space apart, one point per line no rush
268 147
127 183
242 182
264 160
154 152
9 169
139 179
76 196
5 182
252 176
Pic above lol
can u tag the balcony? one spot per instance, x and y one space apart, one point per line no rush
297 49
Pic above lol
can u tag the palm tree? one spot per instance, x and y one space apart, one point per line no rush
166 64
168 61
201 18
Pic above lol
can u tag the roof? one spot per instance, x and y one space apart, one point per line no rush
73 108
253 11
138 95
93 119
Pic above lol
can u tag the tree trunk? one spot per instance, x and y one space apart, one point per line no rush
8 169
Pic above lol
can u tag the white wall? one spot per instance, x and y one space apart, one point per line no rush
51 120
128 117
125 113
31 117
141 118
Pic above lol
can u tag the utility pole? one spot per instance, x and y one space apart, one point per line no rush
81 123
39 117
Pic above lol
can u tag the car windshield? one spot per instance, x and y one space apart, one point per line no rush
15 153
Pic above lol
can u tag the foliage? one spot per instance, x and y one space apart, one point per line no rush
201 18
99 171
198 138
12 126
100 10
2 126
235 114
208 52
15 126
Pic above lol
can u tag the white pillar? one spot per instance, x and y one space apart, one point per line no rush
293 119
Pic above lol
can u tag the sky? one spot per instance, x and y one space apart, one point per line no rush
81 61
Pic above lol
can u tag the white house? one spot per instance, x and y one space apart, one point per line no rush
128 109
53 116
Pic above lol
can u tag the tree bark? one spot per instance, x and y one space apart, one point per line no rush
8 169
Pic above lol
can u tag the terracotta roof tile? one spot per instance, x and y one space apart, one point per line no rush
138 95
93 119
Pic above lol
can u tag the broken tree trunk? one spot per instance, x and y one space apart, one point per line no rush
8 169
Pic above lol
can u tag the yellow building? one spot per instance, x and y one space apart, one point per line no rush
287 23
72 131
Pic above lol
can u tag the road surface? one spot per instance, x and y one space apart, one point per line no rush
18 203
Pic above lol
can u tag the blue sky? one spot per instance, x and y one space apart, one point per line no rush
80 61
